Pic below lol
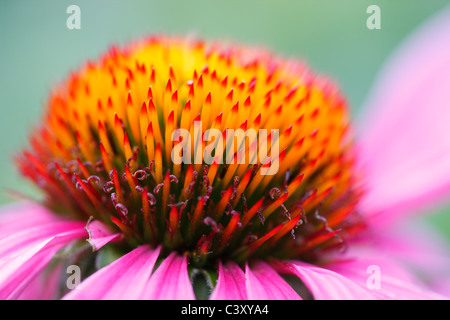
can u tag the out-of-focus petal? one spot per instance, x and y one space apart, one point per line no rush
170 281
394 283
125 278
44 286
325 284
416 247
99 234
404 139
21 215
27 248
264 283
230 284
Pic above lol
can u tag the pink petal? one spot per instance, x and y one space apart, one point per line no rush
264 283
132 285
392 284
17 216
13 244
26 248
230 284
418 248
404 143
44 286
170 281
99 234
324 284
125 278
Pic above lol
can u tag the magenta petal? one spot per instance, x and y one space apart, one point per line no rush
24 254
133 283
170 281
99 234
410 256
418 246
46 285
19 216
394 282
230 284
264 283
125 278
325 284
404 143
13 244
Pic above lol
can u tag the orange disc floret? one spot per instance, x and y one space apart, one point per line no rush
106 148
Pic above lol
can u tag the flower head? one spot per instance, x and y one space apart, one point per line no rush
269 186
105 149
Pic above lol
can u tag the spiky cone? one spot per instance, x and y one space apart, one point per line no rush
104 150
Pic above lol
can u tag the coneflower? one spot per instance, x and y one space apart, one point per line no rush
104 157
104 151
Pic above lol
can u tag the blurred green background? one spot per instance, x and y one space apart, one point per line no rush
37 50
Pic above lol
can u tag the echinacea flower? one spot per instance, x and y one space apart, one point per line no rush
160 229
